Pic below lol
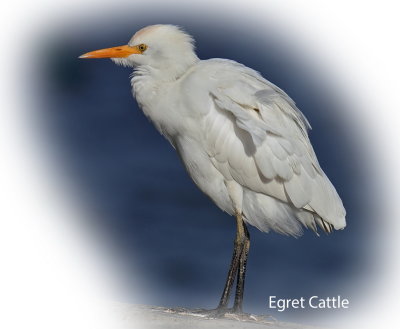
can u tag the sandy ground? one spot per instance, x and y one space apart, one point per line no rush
154 317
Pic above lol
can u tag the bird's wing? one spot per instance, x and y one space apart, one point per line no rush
256 136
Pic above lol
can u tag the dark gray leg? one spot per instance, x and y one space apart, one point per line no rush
237 306
238 266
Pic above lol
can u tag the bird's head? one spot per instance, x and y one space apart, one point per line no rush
164 48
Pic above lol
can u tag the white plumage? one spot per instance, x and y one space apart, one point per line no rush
242 139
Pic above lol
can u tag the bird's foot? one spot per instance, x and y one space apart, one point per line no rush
216 313
230 313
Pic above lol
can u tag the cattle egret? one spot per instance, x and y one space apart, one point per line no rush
242 140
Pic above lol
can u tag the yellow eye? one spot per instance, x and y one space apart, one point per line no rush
142 47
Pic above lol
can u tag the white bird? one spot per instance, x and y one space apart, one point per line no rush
242 140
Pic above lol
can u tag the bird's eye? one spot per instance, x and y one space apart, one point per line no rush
142 47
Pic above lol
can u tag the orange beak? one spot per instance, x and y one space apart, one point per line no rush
114 52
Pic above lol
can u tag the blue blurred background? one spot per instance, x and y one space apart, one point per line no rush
165 232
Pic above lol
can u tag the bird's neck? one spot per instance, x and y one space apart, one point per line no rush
147 81
168 71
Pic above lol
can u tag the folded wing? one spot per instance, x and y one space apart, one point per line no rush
256 136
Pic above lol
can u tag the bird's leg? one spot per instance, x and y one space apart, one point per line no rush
237 306
237 268
236 257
